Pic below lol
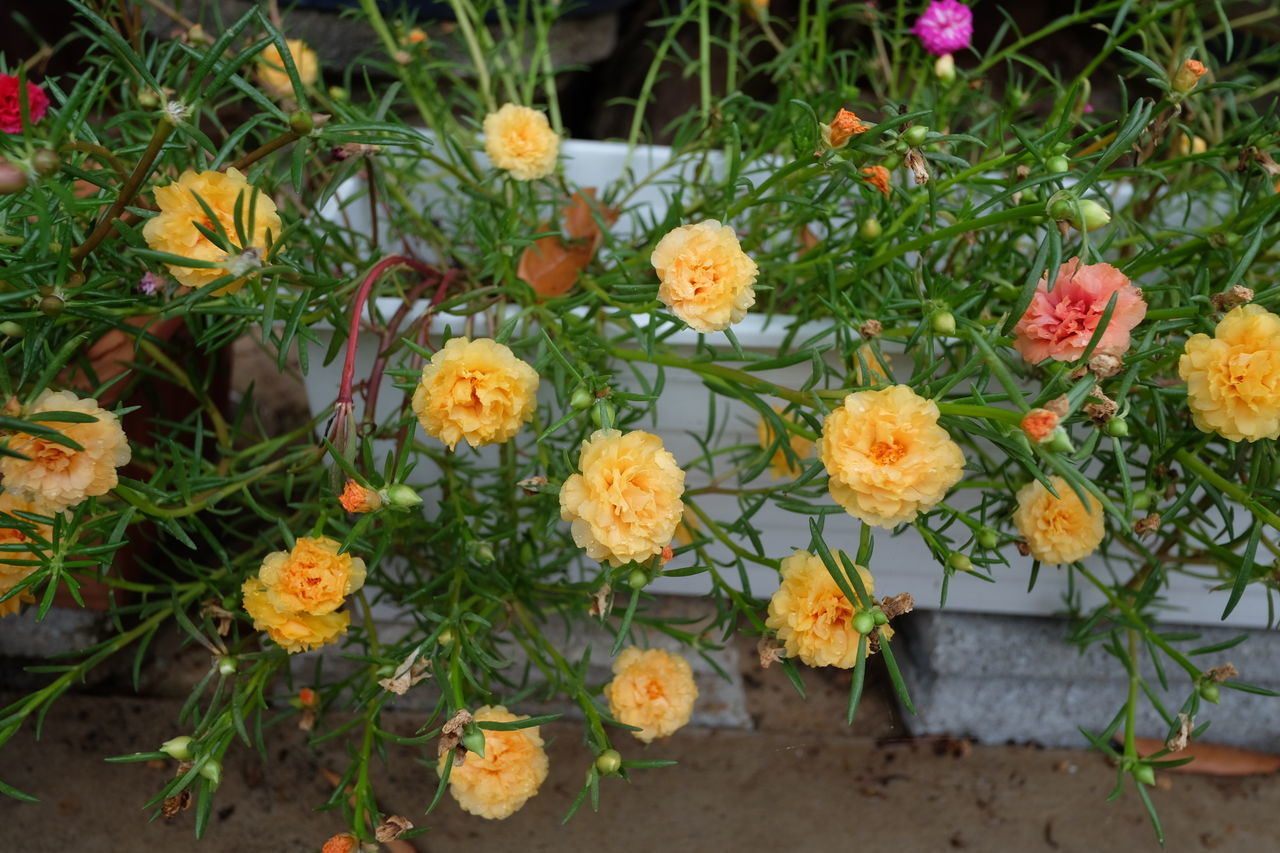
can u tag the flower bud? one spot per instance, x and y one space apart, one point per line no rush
46 161
1142 499
12 179
446 638
226 665
581 399
358 499
915 135
1188 75
301 122
869 229
945 68
987 538
943 323
1090 214
1039 424
1210 692
11 329
637 579
864 622
960 562
609 762
338 93
1144 774
51 306
603 414
481 552
403 496
212 770
1117 427
473 739
178 747
1060 442
1057 163
879 617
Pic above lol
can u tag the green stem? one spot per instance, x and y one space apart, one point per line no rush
1234 491
105 225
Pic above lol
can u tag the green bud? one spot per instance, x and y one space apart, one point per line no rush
446 638
609 762
226 665
148 99
1210 692
945 68
1060 148
943 323
879 617
481 552
11 329
870 229
603 414
337 93
212 770
178 747
1090 217
637 579
987 538
12 179
1007 292
403 496
1057 163
46 161
1142 499
960 562
915 135
51 306
1117 427
473 739
864 622
301 123
1144 774
1059 443
581 399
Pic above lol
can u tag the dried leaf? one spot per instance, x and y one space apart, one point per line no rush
551 266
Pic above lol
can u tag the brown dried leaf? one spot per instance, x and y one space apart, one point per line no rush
551 266
392 827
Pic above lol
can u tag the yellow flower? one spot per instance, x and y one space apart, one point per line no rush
56 475
312 578
652 690
513 767
812 617
477 390
887 457
293 631
172 230
521 141
272 76
780 466
17 565
625 505
707 280
1233 378
1061 529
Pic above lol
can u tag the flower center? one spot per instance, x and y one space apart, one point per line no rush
52 457
887 452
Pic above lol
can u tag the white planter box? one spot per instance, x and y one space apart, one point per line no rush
900 563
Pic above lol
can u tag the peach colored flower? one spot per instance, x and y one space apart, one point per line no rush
888 458
878 177
1233 378
653 690
512 769
312 578
356 498
1059 323
293 631
1061 529
18 564
1039 424
625 505
520 140
172 231
844 126
812 616
271 73
56 475
1188 75
706 279
477 390
780 466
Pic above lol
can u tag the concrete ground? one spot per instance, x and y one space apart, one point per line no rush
801 780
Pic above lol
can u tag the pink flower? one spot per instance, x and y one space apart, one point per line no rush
946 26
1059 323
11 106
151 284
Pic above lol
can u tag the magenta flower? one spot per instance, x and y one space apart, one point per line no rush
946 26
10 103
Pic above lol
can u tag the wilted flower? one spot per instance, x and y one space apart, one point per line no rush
1060 323
151 284
653 690
1233 378
707 280
11 105
514 765
844 126
1061 529
946 26
475 390
521 141
876 176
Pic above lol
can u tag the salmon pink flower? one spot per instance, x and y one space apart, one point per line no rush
1059 323
946 26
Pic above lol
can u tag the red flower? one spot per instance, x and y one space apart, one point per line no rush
11 106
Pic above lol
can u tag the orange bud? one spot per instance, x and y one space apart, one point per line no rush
1039 424
356 498
416 36
878 177
1188 76
343 842
843 126
307 697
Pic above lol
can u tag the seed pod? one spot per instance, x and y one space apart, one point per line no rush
637 579
915 135
987 538
1057 163
864 622
11 329
943 323
1117 427
301 122
12 179
51 306
960 562
869 229
581 399
178 747
609 762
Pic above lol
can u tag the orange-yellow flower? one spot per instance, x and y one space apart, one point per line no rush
878 177
477 390
1188 75
357 498
811 615
625 505
56 475
1233 378
520 140
780 466
888 458
842 127
653 690
18 558
513 767
706 279
272 76
172 229
294 631
312 578
1061 529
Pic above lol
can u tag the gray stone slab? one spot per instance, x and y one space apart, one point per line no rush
1015 678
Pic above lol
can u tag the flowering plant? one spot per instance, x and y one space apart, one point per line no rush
1011 321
